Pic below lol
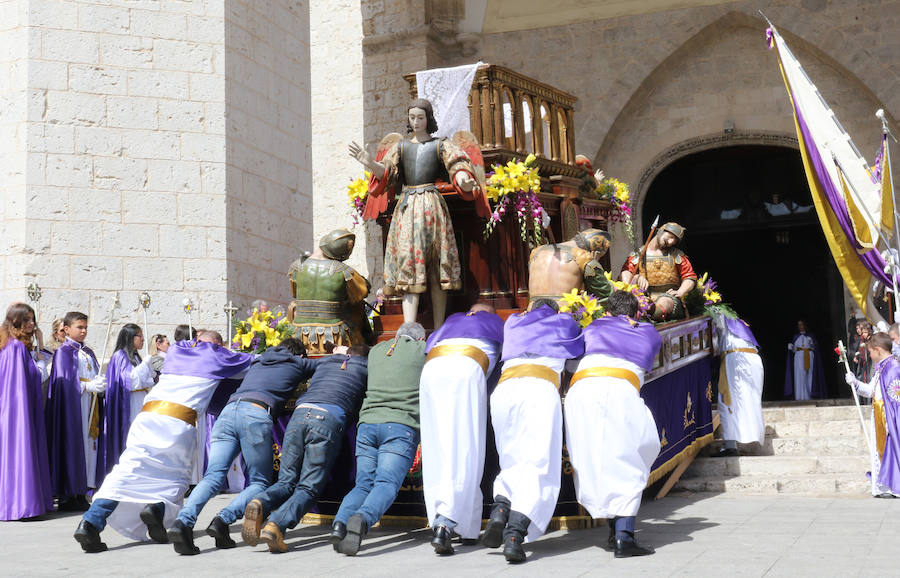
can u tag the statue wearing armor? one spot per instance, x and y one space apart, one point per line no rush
328 296
664 271
557 268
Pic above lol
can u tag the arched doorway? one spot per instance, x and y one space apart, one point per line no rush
752 226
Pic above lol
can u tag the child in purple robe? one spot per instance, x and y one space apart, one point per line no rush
73 415
24 470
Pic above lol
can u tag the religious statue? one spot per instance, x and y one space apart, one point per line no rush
557 268
663 270
328 296
421 248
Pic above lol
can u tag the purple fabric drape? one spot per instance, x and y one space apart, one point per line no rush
206 360
623 338
740 329
478 325
68 476
24 466
543 332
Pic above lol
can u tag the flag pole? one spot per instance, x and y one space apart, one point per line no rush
886 165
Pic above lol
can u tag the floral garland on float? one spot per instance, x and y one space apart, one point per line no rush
260 331
617 193
515 187
582 306
357 191
705 299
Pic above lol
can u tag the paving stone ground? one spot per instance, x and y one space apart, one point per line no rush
694 535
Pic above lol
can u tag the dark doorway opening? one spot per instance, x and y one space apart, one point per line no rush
751 226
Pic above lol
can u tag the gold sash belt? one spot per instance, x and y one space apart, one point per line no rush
805 351
172 409
617 372
724 388
880 426
530 370
460 349
94 416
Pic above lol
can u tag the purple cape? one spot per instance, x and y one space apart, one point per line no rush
206 360
542 332
818 389
889 474
63 417
24 469
116 413
623 338
478 325
741 329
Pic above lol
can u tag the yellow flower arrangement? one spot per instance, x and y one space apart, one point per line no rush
260 331
707 287
357 192
582 306
643 300
516 185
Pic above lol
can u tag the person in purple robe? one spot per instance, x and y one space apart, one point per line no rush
526 412
24 467
72 416
128 379
462 354
804 375
884 389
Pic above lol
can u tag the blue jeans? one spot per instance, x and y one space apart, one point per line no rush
102 508
312 442
384 454
241 428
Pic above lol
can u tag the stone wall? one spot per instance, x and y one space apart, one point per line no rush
269 211
125 186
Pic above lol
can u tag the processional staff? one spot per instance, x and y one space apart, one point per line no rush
144 300
229 309
188 304
842 358
34 295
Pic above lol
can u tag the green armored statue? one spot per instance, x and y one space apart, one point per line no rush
328 296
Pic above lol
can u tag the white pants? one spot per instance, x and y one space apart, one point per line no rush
742 421
527 418
453 408
612 441
90 444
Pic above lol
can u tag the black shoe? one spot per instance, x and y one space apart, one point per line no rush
338 531
493 532
886 495
219 530
514 537
629 547
153 519
73 504
440 540
356 531
727 453
611 540
89 537
182 537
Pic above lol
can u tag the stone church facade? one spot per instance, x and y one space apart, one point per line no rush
194 148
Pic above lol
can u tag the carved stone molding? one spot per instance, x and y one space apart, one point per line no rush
700 144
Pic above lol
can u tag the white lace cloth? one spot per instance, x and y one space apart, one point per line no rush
448 91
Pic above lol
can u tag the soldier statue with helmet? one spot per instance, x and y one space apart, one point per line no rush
664 271
328 296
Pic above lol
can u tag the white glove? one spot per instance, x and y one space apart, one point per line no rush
790 346
156 362
851 379
96 385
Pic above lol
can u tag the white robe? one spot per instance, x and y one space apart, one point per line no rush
158 457
611 438
527 416
140 384
88 370
742 421
453 415
873 390
803 378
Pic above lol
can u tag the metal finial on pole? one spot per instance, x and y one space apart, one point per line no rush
230 310
144 300
34 295
188 304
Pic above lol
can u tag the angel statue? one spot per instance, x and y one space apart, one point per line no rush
421 248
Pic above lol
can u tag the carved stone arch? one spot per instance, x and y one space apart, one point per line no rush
693 146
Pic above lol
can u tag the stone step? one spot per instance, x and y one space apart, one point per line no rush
798 485
824 428
773 415
816 446
774 466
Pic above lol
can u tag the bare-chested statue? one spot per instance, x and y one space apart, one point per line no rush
557 268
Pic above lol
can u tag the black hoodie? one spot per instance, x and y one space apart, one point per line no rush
273 376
